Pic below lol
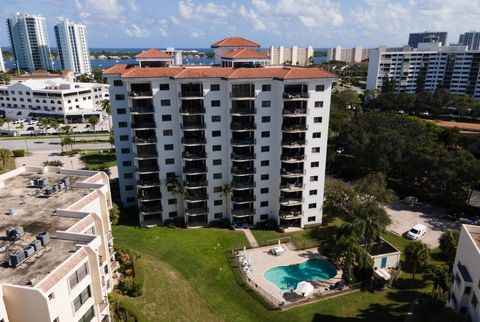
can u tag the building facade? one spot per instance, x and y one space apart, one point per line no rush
464 292
426 37
57 251
206 143
428 66
2 63
296 56
470 39
52 98
356 54
73 47
29 41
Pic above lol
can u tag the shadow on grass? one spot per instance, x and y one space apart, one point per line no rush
98 158
375 312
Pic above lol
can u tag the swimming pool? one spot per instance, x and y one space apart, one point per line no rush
287 277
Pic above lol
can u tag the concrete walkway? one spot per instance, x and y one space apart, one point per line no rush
251 239
411 309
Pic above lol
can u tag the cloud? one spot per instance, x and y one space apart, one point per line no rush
103 10
133 5
202 12
250 15
137 31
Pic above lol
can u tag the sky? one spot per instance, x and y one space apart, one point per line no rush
197 24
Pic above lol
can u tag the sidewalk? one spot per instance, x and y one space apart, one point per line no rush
251 239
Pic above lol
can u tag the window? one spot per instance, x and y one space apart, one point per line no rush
129 187
319 88
457 279
121 111
264 204
172 201
172 214
218 215
318 103
217 202
168 147
266 88
166 118
122 124
216 133
312 192
317 135
217 148
312 218
128 175
215 87
167 132
266 103
264 177
265 163
468 289
265 134
215 103
117 82
88 316
264 190
313 178
265 148
316 149
317 119
265 119
216 118
474 301
264 217
217 176
217 189
312 205
51 296
165 87
82 298
315 164
217 162
164 102
123 137
119 97
170 161
127 163
125 151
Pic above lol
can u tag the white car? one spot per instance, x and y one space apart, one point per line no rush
416 231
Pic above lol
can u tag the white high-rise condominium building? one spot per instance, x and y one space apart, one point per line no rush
356 54
72 47
56 245
428 66
470 39
29 40
2 63
246 144
464 293
296 56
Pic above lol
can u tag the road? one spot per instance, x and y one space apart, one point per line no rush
42 145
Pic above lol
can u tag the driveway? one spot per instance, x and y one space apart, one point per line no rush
405 217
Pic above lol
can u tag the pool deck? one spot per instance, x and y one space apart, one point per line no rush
262 260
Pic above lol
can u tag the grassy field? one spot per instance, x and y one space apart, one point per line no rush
9 166
97 160
188 279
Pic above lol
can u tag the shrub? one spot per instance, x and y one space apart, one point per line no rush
270 224
177 222
114 214
53 163
221 223
18 153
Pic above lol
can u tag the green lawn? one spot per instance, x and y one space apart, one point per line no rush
97 160
9 166
188 279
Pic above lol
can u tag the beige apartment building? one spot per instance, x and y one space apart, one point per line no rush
356 54
56 245
296 56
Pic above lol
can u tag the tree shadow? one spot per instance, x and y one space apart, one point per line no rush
375 312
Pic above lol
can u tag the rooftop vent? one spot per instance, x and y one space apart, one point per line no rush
16 257
38 182
14 233
29 250
37 244
44 238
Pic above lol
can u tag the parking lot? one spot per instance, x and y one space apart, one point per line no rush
405 217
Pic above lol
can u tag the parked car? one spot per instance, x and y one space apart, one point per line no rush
33 121
416 231
17 121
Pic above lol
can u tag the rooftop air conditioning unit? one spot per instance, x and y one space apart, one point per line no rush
37 244
48 191
16 257
66 181
29 250
44 237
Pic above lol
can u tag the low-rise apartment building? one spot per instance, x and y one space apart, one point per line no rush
56 245
52 98
243 144
428 66
465 290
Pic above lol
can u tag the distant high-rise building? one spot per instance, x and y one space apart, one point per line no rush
72 47
356 54
296 56
470 39
419 37
2 64
29 40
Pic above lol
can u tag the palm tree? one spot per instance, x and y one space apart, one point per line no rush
106 108
226 192
8 120
93 121
5 157
177 189
439 276
416 256
44 123
370 221
2 121
55 125
347 249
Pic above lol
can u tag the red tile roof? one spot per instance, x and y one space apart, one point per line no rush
131 71
235 42
245 53
153 53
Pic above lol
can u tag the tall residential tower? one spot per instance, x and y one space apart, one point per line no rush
29 41
72 47
470 39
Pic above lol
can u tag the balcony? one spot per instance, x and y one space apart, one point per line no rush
194 170
295 95
290 187
292 172
194 155
293 158
295 143
196 196
146 154
191 91
149 210
290 201
243 110
290 214
147 169
243 157
242 94
243 199
192 126
191 110
146 196
242 142
294 127
140 94
243 212
195 184
239 184
148 182
139 140
243 170
142 109
237 126
144 125
294 111
196 211
194 140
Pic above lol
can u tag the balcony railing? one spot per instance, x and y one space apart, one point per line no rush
294 142
292 186
296 95
290 201
247 141
240 199
243 212
287 214
137 139
242 126
196 196
190 170
195 184
246 156
242 94
149 196
142 109
243 110
243 170
192 126
148 169
243 184
143 125
294 111
144 93
190 94
290 172
294 128
146 155
191 110
196 211
150 209
195 140
149 182
194 156
299 157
